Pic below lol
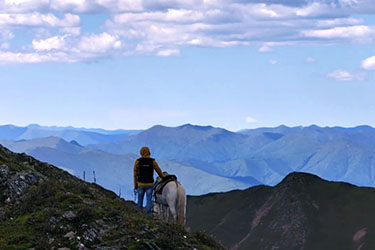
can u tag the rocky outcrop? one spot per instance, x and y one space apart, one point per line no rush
15 184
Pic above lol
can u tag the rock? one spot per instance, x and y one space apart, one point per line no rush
20 184
150 246
70 215
54 220
4 173
110 248
70 235
63 248
91 235
82 246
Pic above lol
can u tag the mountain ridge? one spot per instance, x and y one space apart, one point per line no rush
303 211
83 136
260 156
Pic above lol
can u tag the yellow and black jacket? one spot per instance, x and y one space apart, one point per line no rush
144 177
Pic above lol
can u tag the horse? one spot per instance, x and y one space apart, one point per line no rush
172 201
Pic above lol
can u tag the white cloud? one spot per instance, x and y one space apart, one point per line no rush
153 27
55 42
6 34
171 15
342 75
19 6
66 48
5 46
77 6
310 60
272 62
10 57
99 43
348 2
249 119
265 48
314 9
75 31
335 22
351 32
168 52
37 19
369 63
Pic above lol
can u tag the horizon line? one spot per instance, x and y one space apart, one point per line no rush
197 125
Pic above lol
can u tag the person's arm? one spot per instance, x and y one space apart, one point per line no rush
135 174
157 169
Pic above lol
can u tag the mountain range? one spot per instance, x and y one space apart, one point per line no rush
303 211
266 155
115 171
83 136
208 159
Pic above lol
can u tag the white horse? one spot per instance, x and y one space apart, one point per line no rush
172 201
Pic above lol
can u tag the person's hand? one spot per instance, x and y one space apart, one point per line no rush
135 190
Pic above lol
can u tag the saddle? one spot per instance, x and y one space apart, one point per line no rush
160 184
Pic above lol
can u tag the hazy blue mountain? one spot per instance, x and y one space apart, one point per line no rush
47 142
10 132
264 154
81 135
188 142
280 130
95 130
344 160
115 171
250 157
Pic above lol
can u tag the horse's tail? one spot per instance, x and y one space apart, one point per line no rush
181 204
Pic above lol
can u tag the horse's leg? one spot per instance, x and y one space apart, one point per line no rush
171 197
164 213
173 210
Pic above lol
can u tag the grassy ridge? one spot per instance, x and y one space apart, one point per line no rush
63 211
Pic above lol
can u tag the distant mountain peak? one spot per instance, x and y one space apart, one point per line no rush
364 127
33 125
188 125
314 126
282 126
184 126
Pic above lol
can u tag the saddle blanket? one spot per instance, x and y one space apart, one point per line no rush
159 185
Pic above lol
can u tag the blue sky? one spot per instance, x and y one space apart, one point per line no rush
232 64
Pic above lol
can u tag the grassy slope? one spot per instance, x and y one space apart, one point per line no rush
36 220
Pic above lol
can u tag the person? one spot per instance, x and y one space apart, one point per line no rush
144 177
